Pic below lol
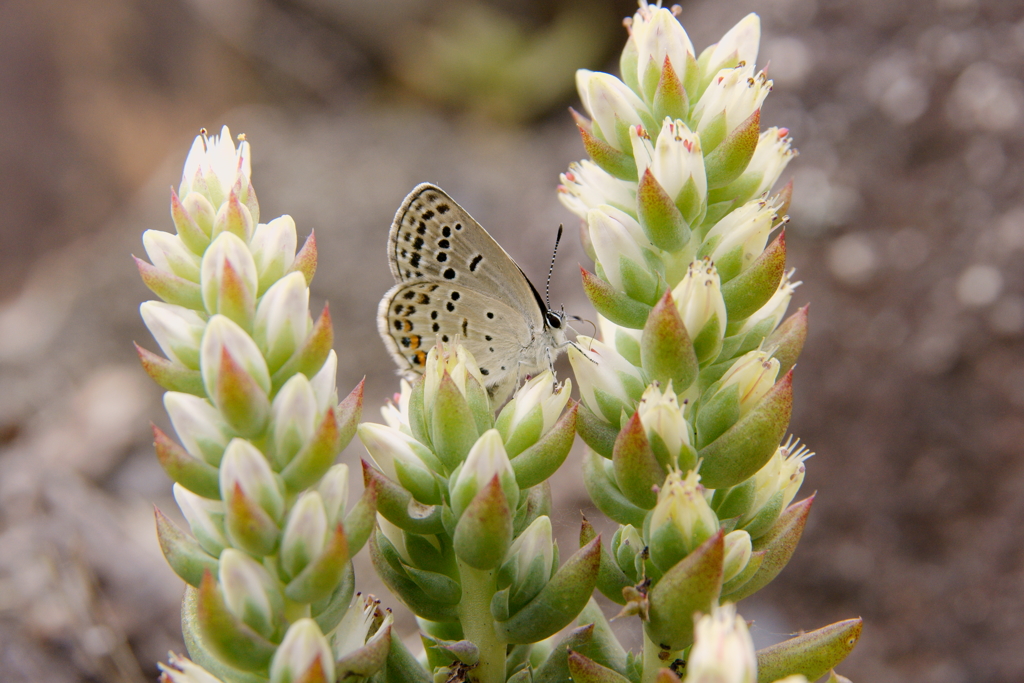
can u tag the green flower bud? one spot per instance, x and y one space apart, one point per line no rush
229 280
178 331
403 459
303 648
333 490
698 298
667 429
205 518
235 375
533 555
682 520
324 384
246 468
723 651
305 533
627 547
168 253
182 670
737 553
196 215
253 498
250 592
486 460
609 384
234 217
775 486
532 412
273 250
199 426
282 319
618 242
294 418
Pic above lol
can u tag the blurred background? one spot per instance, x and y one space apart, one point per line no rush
907 231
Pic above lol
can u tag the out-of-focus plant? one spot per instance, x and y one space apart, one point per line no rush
684 407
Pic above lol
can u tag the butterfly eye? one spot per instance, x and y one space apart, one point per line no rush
554 320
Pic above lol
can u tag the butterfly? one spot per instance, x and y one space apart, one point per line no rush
453 280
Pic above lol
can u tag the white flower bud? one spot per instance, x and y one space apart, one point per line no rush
658 34
333 489
738 548
682 505
199 426
698 298
302 646
736 93
396 410
535 541
183 670
273 247
222 336
774 308
772 155
739 45
169 254
324 383
245 467
282 319
613 234
178 331
215 162
723 651
205 518
305 533
294 418
454 359
540 390
677 158
354 628
386 445
586 186
741 236
661 416
235 295
486 459
607 380
612 105
784 472
753 374
249 591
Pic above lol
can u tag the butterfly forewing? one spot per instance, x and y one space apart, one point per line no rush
418 314
433 238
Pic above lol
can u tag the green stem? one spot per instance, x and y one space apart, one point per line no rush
652 660
478 587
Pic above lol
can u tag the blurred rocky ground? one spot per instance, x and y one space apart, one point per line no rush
907 230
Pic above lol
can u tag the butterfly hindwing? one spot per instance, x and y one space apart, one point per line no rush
413 316
433 238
